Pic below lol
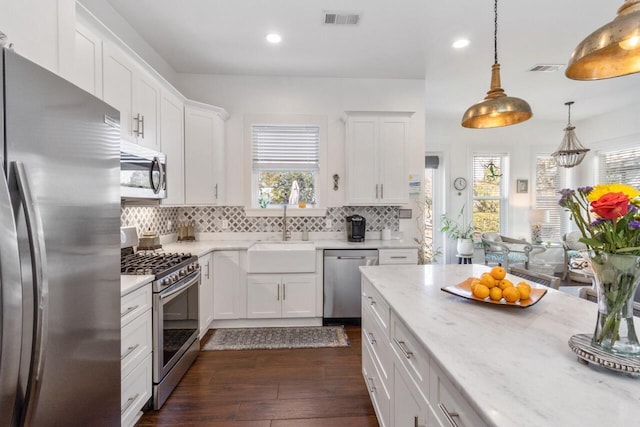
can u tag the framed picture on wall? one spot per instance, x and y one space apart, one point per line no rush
522 186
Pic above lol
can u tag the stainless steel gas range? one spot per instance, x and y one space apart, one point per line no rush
175 313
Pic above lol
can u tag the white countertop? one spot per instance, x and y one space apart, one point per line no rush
513 365
202 247
129 283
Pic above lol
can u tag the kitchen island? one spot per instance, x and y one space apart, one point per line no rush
500 366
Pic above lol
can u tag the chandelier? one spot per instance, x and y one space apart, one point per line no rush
571 152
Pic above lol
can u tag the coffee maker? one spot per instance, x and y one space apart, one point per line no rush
356 225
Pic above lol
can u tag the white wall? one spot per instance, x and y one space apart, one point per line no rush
241 95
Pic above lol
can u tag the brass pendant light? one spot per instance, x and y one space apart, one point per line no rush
497 109
613 50
571 152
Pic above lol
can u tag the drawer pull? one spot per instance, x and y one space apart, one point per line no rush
399 257
403 347
372 387
373 302
129 351
128 403
372 340
449 415
129 310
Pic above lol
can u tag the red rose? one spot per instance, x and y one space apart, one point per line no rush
611 205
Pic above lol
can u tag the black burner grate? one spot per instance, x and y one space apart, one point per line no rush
152 263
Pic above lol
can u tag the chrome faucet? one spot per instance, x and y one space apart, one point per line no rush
286 235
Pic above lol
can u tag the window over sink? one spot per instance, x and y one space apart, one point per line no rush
287 164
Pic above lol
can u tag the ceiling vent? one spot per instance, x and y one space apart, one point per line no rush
340 18
546 68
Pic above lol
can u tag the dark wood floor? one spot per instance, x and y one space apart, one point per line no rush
271 388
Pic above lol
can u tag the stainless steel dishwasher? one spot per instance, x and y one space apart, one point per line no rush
342 283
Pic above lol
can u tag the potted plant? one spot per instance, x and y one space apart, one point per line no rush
456 229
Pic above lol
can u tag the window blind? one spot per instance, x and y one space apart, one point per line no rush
548 183
620 166
285 147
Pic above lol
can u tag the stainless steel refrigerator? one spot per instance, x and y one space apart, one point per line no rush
59 252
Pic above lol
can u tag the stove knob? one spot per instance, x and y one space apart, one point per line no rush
183 273
166 282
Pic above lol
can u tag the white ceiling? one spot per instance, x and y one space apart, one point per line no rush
405 39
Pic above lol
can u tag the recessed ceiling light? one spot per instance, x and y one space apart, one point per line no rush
460 43
274 38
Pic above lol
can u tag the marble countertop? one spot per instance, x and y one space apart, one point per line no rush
202 247
513 365
129 283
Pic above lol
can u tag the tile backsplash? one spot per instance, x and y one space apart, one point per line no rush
209 219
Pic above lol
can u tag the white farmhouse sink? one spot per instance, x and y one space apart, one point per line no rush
281 257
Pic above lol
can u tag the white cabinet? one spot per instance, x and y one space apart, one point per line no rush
204 154
281 295
135 93
376 170
397 256
172 145
205 298
226 285
410 408
449 405
135 351
87 60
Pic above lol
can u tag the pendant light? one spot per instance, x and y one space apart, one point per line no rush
613 50
497 109
571 152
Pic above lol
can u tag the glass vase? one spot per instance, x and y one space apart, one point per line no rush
616 279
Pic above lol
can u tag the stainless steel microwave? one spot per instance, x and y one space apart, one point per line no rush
142 173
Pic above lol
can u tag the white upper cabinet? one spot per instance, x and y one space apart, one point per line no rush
376 145
134 93
87 64
172 144
204 154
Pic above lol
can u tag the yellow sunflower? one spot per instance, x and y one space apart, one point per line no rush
602 189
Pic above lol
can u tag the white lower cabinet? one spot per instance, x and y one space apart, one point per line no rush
226 285
397 256
205 298
407 388
136 349
281 295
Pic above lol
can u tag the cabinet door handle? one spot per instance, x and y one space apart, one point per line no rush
376 191
382 191
216 192
140 130
128 403
129 310
403 347
372 340
208 269
284 290
278 297
372 387
449 415
415 422
129 351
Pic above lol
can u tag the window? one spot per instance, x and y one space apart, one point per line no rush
548 183
620 166
488 193
285 165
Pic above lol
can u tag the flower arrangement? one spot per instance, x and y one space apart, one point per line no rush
614 226
609 220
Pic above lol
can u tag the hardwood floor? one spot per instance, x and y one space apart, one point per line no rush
271 388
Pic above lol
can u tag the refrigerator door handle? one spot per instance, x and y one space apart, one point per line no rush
10 308
35 233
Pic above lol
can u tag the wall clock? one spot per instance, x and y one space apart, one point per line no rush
460 183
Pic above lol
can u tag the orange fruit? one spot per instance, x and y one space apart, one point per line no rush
487 280
511 294
504 284
480 291
525 290
496 294
498 272
474 283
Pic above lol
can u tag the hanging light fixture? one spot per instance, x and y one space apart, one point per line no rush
571 152
497 109
613 50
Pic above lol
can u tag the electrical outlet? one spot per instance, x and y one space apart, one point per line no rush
329 223
225 224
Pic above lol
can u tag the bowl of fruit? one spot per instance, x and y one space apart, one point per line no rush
493 287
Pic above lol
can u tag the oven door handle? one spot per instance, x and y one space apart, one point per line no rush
165 296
